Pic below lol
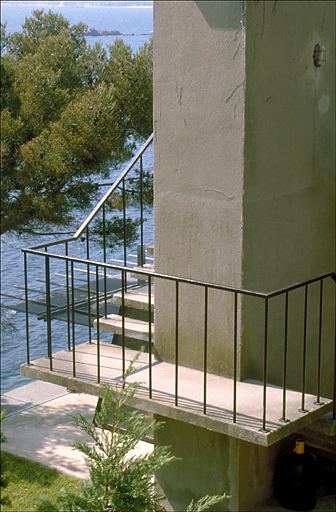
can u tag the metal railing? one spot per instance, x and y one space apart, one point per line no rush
101 205
84 228
99 298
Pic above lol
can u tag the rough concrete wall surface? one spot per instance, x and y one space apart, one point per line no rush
212 463
244 153
289 182
198 160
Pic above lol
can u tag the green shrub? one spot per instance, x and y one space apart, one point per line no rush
120 482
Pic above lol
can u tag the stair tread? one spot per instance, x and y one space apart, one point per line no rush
137 300
133 328
147 267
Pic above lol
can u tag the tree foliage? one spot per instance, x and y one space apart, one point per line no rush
68 113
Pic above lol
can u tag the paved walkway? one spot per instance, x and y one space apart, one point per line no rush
38 427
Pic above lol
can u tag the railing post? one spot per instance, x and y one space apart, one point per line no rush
235 322
141 212
176 339
26 305
318 395
73 321
265 366
150 334
334 390
205 357
68 296
124 218
123 320
98 333
285 363
304 350
88 283
104 250
47 276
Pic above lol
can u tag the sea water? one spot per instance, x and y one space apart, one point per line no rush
128 18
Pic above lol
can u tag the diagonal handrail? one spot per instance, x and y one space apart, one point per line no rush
101 203
113 187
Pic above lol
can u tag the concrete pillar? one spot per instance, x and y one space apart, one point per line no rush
289 178
244 196
212 463
244 156
199 74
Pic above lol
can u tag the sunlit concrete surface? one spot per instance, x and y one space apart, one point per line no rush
44 433
38 426
219 392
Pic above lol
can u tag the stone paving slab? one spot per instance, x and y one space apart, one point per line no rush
43 432
30 394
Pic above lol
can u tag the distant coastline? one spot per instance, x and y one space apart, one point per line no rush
101 32
76 3
96 33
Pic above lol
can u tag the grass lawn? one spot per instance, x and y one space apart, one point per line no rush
27 481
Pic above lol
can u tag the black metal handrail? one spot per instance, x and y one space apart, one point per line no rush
153 276
95 297
33 250
104 199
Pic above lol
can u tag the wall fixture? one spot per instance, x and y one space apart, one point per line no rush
319 55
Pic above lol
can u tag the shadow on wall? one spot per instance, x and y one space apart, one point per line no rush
222 15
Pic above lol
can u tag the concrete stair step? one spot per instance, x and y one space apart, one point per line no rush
147 267
136 329
136 300
150 250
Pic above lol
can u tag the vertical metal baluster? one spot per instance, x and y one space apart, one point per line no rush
141 212
285 363
319 348
26 305
98 333
150 334
265 366
73 320
104 248
47 275
205 362
334 390
304 351
235 323
88 283
68 296
176 340
123 320
124 217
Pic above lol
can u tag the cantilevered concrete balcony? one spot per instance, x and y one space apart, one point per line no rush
158 393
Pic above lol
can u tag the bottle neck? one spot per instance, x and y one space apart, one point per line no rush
299 447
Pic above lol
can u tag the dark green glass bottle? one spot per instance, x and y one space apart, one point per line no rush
296 479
